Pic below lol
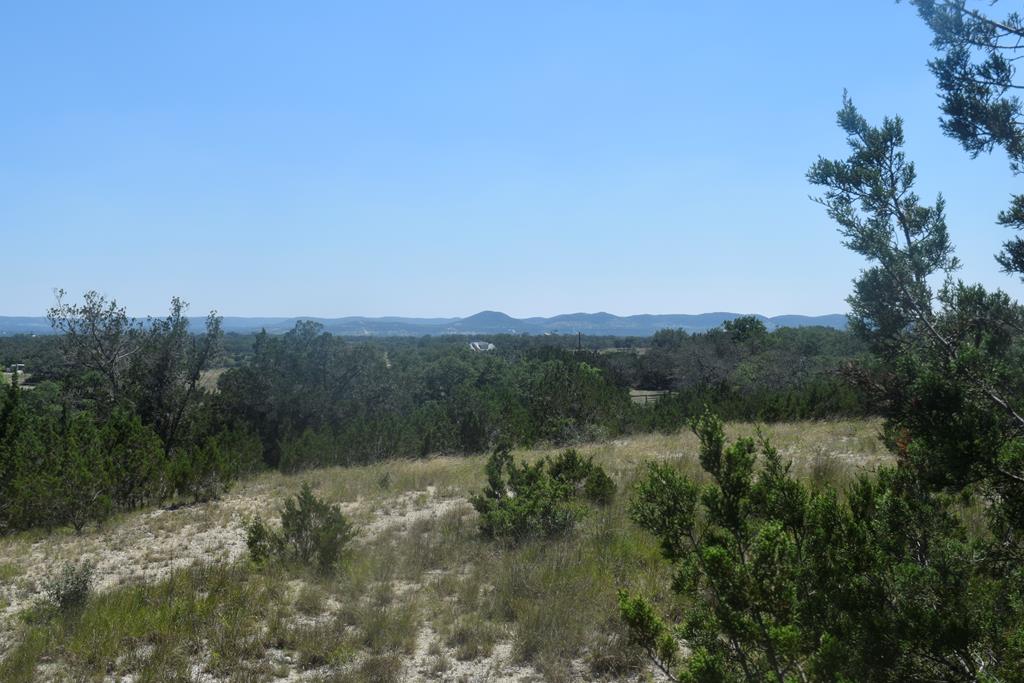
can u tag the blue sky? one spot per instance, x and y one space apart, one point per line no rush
441 158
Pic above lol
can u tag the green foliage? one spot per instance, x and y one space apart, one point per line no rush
308 399
84 475
746 329
313 533
744 372
976 75
788 583
139 468
582 476
947 367
205 472
542 499
312 448
69 588
319 400
649 631
73 469
124 425
885 582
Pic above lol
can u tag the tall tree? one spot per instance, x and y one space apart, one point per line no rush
976 74
948 359
97 336
885 583
166 374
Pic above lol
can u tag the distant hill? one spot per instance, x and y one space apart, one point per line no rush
485 322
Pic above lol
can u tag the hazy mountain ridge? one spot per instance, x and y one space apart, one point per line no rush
484 322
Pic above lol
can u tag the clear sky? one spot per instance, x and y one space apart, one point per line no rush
439 158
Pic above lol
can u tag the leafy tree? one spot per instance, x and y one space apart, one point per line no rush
139 468
883 583
948 373
976 74
947 369
167 369
30 464
98 337
204 472
745 329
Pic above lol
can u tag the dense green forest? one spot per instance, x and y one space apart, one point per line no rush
120 412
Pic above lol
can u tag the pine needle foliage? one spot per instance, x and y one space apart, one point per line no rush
541 499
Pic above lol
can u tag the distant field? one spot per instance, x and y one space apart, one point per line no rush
422 596
209 378
645 396
638 350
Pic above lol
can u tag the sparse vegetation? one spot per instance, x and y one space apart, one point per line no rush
421 588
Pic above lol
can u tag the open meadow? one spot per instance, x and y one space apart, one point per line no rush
420 595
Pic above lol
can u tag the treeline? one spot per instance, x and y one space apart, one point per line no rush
742 371
127 414
121 423
316 399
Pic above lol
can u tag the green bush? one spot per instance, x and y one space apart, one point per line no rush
69 588
787 582
583 476
538 500
205 472
313 533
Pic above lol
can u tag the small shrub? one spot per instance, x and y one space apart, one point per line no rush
388 629
823 469
440 664
388 668
540 499
69 588
310 601
584 477
599 487
260 540
313 533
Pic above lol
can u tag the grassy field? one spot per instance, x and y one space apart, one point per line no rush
24 379
420 596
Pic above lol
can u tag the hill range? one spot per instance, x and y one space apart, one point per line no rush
483 323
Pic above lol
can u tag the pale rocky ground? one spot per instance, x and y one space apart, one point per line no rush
148 546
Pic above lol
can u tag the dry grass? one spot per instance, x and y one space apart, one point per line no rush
208 379
421 596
